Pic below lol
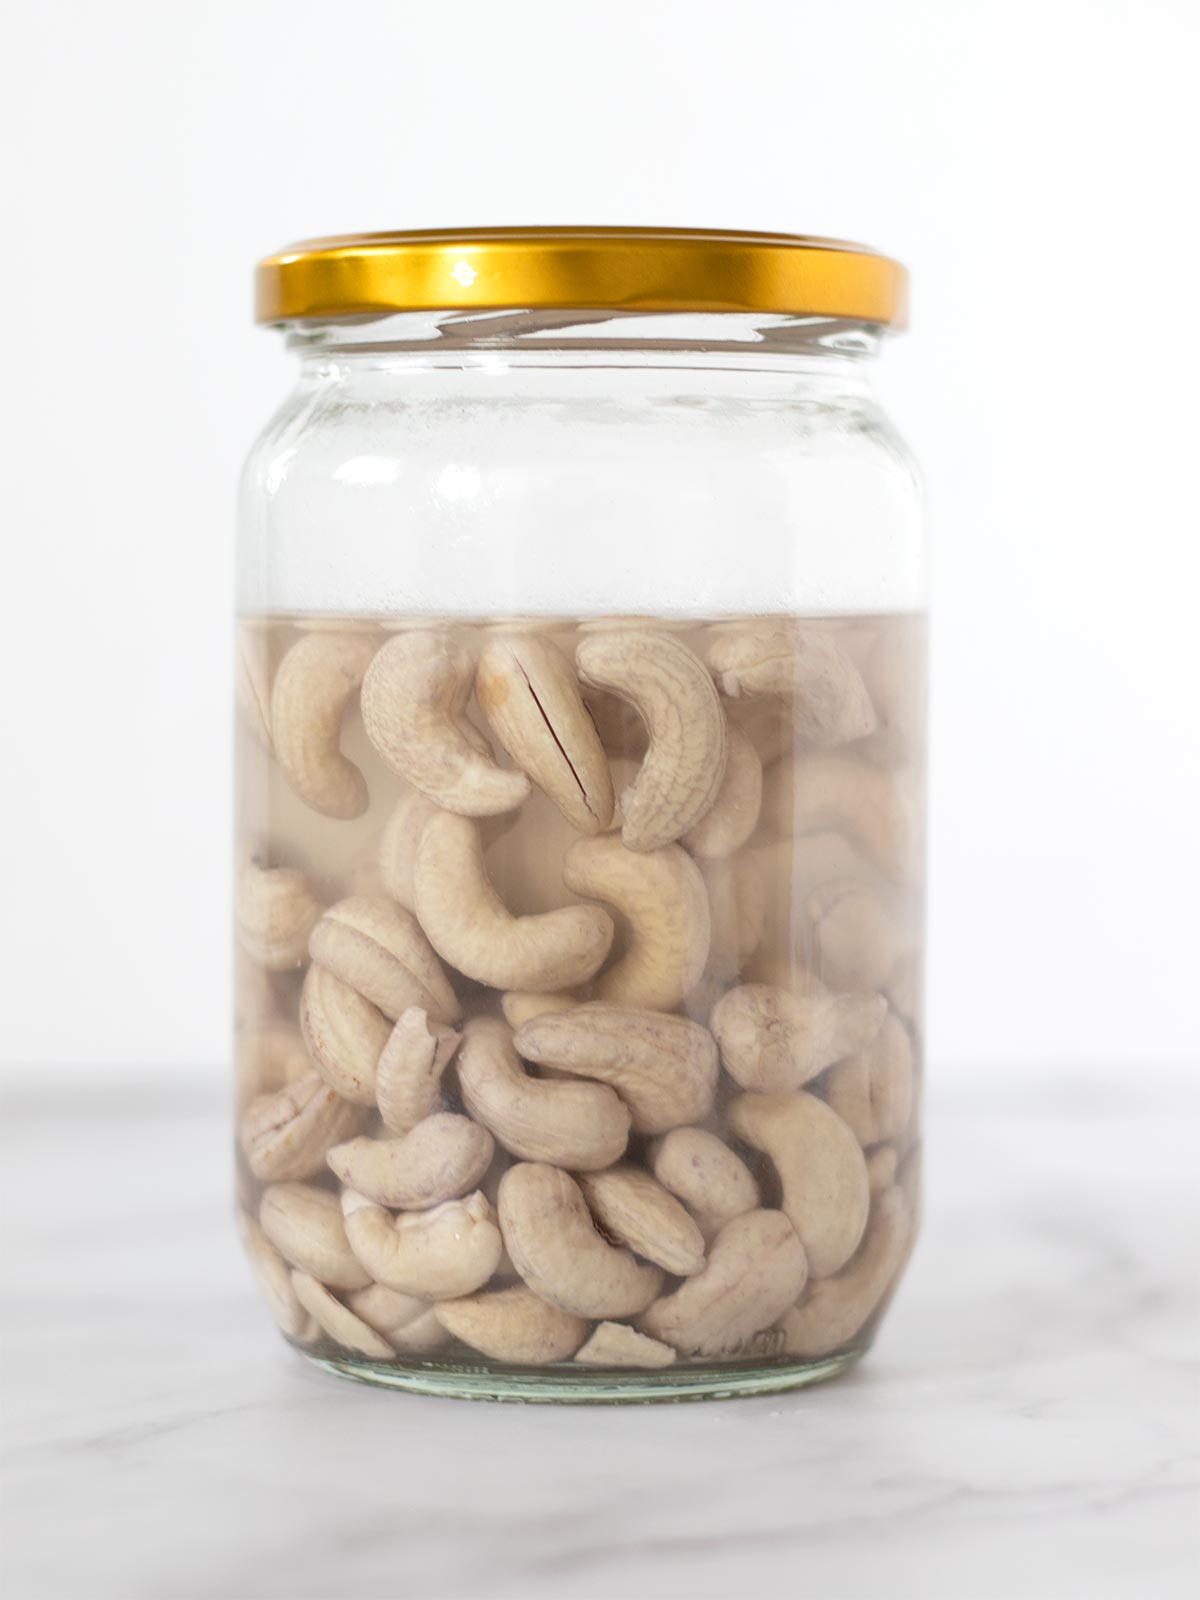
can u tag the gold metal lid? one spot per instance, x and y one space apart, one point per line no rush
627 269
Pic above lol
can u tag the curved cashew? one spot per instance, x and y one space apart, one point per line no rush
882 1165
737 901
313 686
670 688
584 1126
854 944
333 1318
439 1254
704 1173
275 1280
520 1006
440 1159
275 911
513 1325
873 1091
756 1268
344 1034
252 688
269 1058
470 926
616 1344
663 1067
379 950
662 894
405 1321
414 708
773 1040
820 793
822 1171
636 1211
305 1226
408 1075
285 1135
733 816
836 1309
530 695
398 846
830 703
554 1245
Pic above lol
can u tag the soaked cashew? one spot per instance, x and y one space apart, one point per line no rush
439 1254
285 1135
513 1325
835 1310
733 816
854 942
414 704
440 1159
874 809
520 1006
337 1321
275 1280
616 1344
703 1172
474 931
313 686
275 911
636 1211
408 1075
406 1321
669 687
738 897
379 950
829 700
873 1091
771 1039
344 1034
305 1226
398 847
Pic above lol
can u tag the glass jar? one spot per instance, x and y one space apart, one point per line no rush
580 766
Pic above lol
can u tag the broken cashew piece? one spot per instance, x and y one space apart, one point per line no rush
305 1226
314 684
408 1074
836 1309
833 793
274 911
285 1135
733 816
406 1321
379 950
616 1344
344 1033
668 685
450 1250
701 1170
771 1039
335 1319
638 1212
829 700
873 1091
440 1159
513 1325
854 943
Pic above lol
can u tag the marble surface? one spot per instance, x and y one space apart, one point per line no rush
1026 1427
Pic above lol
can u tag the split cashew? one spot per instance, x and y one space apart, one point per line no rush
836 1309
771 1039
830 703
616 1344
285 1135
873 1091
733 816
451 1250
275 912
704 1173
513 1325
305 1226
344 1034
636 1211
314 684
408 1075
379 950
440 1159
333 1318
854 944
405 1321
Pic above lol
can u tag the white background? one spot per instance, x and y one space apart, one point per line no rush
1035 166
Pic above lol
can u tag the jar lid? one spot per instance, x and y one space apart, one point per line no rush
627 269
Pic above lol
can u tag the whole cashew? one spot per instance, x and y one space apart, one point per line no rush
830 703
315 682
616 1344
636 1211
513 1325
379 950
854 943
554 1245
520 1006
333 1318
704 1173
439 1254
408 1075
756 1268
662 895
771 1039
305 1226
668 685
873 1091
414 705
474 931
285 1135
405 1321
275 911
733 816
836 1309
440 1159
830 792
530 695
344 1034
398 846
275 1280
663 1067
584 1126
822 1171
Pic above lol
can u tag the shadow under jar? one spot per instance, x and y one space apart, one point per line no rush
580 771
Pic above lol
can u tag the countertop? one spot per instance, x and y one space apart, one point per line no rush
1026 1426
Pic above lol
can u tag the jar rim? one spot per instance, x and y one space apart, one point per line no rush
627 269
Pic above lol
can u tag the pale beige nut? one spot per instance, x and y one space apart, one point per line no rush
873 808
835 1310
514 1325
405 1320
379 950
414 702
439 1254
398 846
408 1073
701 1170
616 1344
771 1039
274 1279
440 1159
267 1058
873 1090
822 1171
520 1006
316 680
661 894
252 681
275 911
663 1067
756 1268
473 930
305 1226
338 1321
549 1233
671 690
584 1126
285 1135
530 695
854 944
733 815
738 899
344 1034
882 1166
636 1211
829 700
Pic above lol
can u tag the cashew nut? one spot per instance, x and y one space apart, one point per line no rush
405 1321
333 1318
275 912
513 1325
450 1250
670 688
275 1279
616 1344
554 1245
530 695
379 950
836 1309
636 1211
756 1268
440 1159
854 944
873 1091
315 682
520 1006
285 1135
663 1067
584 1126
704 1173
408 1075
662 895
305 1226
414 706
822 1171
830 703
830 792
475 932
773 1040
733 816
344 1034
398 846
